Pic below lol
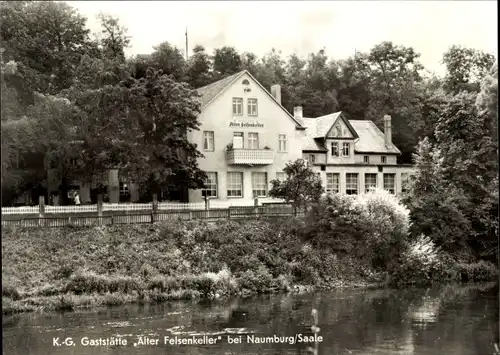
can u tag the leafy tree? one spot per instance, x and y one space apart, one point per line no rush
199 68
46 39
465 68
437 207
353 89
170 60
140 127
227 61
394 89
250 62
114 37
301 187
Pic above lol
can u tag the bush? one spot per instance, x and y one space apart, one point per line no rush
477 271
260 281
372 226
421 263
11 292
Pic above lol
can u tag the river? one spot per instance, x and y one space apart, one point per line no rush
457 320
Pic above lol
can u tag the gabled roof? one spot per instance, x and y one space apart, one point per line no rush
211 91
369 139
325 124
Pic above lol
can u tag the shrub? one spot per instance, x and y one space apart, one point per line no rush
420 263
259 281
11 292
372 226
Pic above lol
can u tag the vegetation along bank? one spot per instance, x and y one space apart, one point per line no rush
342 241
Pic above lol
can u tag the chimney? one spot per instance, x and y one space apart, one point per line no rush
297 113
276 92
387 130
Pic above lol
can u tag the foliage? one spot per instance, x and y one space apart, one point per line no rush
226 61
301 187
139 126
465 68
347 224
199 67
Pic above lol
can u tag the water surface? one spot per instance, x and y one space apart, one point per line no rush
457 320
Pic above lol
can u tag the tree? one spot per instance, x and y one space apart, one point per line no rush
438 209
114 37
227 61
46 39
170 60
395 89
199 68
140 127
465 68
301 187
250 62
353 90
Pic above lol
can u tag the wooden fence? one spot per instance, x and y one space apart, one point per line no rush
270 211
42 208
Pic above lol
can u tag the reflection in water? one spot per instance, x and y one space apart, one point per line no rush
450 320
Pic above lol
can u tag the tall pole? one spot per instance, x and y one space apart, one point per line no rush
186 43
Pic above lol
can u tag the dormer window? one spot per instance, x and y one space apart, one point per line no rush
346 149
335 149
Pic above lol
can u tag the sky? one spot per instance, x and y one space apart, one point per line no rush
302 27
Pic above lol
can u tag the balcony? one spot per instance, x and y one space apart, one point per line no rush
249 157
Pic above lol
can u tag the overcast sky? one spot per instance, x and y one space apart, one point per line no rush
430 27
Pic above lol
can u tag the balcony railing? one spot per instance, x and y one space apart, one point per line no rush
250 157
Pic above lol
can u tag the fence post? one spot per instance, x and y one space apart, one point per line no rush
99 208
41 208
207 203
155 207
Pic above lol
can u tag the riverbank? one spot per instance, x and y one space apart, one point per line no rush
69 268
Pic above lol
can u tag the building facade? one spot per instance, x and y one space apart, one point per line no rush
247 138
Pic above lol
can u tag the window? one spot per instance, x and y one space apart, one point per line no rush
312 158
208 141
370 182
253 141
383 159
345 149
210 189
252 107
238 140
333 183
237 106
259 184
366 159
389 182
234 184
335 149
282 142
404 182
351 183
124 189
280 176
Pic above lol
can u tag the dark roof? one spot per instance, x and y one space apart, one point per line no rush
370 138
210 91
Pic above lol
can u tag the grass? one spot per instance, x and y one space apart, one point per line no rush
69 268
